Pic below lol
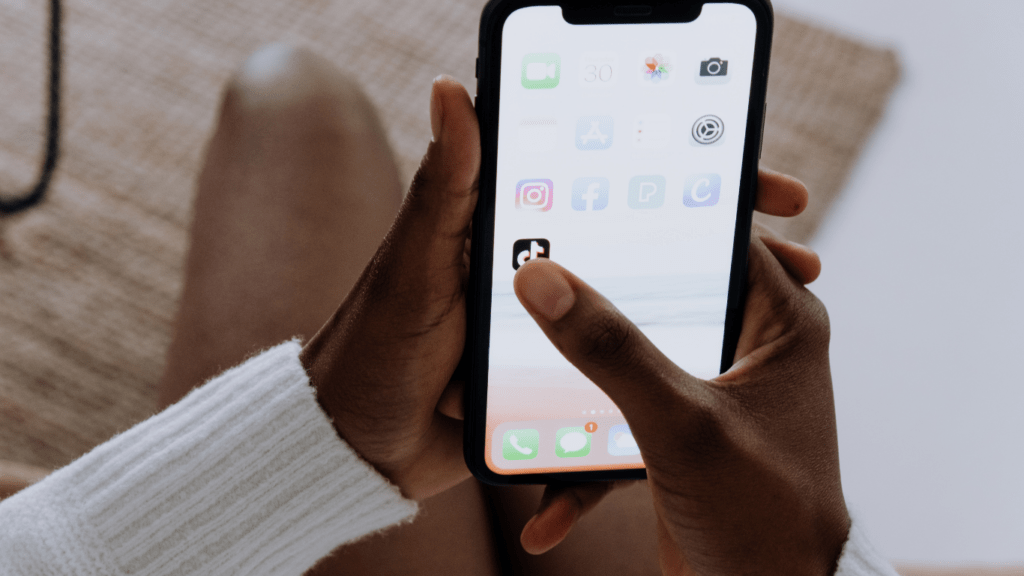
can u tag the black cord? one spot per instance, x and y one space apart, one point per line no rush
10 206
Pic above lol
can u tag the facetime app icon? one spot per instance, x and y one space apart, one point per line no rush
541 70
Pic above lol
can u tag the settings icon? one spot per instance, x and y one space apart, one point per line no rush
708 129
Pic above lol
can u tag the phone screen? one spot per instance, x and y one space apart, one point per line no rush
619 156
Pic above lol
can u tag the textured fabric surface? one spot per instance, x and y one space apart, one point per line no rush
245 475
89 280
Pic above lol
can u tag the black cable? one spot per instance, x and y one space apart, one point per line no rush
12 205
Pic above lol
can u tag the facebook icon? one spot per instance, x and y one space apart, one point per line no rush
590 194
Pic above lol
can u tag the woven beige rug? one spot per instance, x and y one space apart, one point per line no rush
89 280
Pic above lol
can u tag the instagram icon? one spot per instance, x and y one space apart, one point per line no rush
534 195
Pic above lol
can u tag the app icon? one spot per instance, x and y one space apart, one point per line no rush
541 70
652 131
598 69
535 194
656 68
621 441
520 444
572 442
529 249
537 134
594 132
708 129
714 67
702 190
646 192
590 193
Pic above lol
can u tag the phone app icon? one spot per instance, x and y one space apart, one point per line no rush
652 131
520 444
621 441
702 190
656 68
537 135
594 132
529 249
713 71
535 194
590 194
708 129
541 70
646 192
572 442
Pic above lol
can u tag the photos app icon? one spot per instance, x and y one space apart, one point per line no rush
535 194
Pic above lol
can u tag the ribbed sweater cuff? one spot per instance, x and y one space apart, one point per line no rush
859 558
244 475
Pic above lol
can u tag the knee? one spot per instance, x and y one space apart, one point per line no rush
280 79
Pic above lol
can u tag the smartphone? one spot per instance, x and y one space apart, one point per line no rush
620 140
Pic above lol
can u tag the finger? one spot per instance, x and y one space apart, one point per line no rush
560 508
432 228
605 346
800 261
779 194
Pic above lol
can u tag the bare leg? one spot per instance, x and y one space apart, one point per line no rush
298 189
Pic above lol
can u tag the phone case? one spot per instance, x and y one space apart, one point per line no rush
475 360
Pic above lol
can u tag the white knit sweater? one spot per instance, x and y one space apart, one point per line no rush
245 475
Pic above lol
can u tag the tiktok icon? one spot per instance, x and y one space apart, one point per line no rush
529 249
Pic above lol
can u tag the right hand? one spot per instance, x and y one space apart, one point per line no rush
743 468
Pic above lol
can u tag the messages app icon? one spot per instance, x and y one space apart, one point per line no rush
572 442
520 444
541 70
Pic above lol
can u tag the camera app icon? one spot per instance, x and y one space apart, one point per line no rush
713 71
535 194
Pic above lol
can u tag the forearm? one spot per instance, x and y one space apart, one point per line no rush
245 475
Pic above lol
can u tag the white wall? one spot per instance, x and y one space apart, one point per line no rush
922 278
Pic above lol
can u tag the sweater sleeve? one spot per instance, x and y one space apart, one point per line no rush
859 558
245 475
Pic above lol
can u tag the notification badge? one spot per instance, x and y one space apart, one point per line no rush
535 194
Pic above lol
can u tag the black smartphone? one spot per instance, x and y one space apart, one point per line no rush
620 140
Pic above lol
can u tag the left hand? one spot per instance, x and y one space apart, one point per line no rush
382 363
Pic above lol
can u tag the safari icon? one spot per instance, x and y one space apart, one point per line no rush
572 442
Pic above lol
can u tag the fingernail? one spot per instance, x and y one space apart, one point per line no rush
435 110
546 291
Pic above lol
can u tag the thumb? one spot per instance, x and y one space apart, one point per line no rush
441 199
609 349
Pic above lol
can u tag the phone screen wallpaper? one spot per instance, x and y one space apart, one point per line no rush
619 156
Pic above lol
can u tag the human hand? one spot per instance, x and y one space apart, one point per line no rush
382 363
743 468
